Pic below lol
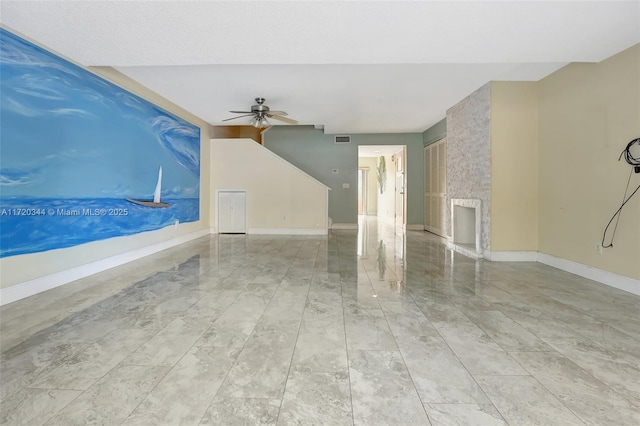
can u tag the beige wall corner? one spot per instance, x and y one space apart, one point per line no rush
514 166
588 113
279 195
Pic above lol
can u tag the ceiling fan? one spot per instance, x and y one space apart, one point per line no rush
260 112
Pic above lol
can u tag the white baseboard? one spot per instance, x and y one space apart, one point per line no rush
609 278
286 231
344 226
604 277
511 256
38 285
415 227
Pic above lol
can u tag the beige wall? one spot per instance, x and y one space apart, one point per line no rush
588 113
18 269
279 196
373 191
514 166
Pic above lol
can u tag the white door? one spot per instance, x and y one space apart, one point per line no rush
232 212
435 174
400 184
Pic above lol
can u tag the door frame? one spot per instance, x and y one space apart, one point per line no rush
364 188
399 165
246 208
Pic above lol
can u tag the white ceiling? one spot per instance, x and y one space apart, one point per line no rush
352 66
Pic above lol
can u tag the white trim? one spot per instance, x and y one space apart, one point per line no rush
286 231
605 277
246 206
415 227
476 205
463 250
511 256
38 285
344 226
611 279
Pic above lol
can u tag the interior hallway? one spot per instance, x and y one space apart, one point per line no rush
361 328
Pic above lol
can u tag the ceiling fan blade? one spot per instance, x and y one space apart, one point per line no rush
278 112
240 116
241 112
284 119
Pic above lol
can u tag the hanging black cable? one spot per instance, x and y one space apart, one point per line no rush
635 163
629 158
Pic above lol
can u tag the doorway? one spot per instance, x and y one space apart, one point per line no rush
382 183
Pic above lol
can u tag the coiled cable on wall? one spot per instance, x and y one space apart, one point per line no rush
628 156
635 164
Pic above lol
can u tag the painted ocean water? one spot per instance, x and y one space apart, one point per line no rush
30 225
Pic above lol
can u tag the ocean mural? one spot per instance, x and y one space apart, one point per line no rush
82 159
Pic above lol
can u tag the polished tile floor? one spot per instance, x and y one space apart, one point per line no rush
369 328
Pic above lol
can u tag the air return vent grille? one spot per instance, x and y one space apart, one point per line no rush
343 139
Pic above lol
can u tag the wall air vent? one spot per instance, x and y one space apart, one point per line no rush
343 139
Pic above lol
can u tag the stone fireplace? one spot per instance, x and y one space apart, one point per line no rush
466 226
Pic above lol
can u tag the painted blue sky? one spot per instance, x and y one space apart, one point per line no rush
66 133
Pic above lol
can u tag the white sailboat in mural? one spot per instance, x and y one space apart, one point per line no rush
156 195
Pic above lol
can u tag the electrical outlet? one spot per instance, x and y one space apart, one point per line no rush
598 248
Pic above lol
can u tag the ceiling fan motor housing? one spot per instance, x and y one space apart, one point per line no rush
260 108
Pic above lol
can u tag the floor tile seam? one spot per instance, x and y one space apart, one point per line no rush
26 382
554 396
508 350
603 348
533 331
488 336
178 313
63 407
67 315
245 343
169 370
346 343
68 357
586 372
120 364
455 355
406 367
612 325
293 352
606 383
375 293
144 398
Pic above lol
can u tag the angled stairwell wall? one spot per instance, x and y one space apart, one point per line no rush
281 199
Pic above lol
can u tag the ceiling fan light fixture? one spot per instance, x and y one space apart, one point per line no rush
259 114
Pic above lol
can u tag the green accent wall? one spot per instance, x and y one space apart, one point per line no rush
316 154
435 132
